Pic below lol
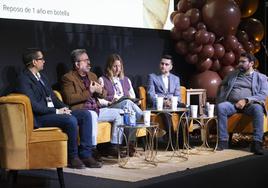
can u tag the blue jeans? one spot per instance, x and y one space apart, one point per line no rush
110 115
226 109
130 106
69 124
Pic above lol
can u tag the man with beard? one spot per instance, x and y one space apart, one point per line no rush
243 91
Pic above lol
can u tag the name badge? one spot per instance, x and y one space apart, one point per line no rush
49 102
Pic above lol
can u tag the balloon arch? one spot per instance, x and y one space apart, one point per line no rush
211 34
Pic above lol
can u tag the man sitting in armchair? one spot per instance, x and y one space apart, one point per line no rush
245 91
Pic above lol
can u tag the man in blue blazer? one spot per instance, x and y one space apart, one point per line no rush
164 85
50 111
245 91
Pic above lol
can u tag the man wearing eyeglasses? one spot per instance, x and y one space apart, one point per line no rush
245 91
50 111
165 84
80 89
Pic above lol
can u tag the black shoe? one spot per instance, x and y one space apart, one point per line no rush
96 154
90 162
132 150
113 151
222 145
256 148
76 163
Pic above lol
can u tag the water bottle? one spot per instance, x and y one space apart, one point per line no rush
206 108
155 101
132 118
126 117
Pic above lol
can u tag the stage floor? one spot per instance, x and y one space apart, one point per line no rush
143 171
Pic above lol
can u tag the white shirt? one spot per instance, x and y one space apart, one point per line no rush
118 90
165 81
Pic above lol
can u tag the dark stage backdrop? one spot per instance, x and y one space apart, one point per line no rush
141 49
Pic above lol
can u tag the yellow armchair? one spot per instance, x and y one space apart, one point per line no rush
154 117
242 123
21 146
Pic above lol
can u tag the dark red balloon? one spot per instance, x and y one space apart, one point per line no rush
172 15
202 37
181 47
175 34
204 65
219 51
198 3
194 48
181 21
212 38
184 5
222 17
216 66
194 15
228 58
201 26
225 70
207 51
189 34
208 80
230 43
191 58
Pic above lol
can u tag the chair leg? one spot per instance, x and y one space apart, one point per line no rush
61 178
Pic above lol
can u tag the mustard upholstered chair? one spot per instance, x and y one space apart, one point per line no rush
21 146
154 117
241 123
104 128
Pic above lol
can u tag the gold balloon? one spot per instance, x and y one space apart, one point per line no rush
247 7
256 64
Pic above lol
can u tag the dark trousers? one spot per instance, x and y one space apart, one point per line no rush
69 124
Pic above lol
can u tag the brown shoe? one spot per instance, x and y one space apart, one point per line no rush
76 163
132 149
90 162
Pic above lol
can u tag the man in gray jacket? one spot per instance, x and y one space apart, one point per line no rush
244 91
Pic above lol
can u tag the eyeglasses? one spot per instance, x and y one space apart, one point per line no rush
85 60
40 59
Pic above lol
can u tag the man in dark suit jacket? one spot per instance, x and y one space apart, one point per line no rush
50 111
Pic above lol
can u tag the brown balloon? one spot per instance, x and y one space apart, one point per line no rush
198 3
204 65
191 58
222 17
219 51
247 7
256 64
189 34
181 47
202 37
225 70
212 38
208 80
254 28
194 48
228 58
175 34
207 51
184 5
201 26
172 15
181 21
230 43
194 15
216 66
